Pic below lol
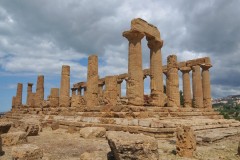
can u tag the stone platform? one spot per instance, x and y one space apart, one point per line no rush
159 122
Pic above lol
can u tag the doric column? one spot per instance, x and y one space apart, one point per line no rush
29 92
156 82
172 82
32 99
92 81
54 97
64 99
18 99
13 101
197 87
39 97
100 90
73 91
79 91
187 97
119 91
110 93
84 90
206 85
135 91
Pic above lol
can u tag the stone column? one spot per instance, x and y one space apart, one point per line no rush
39 97
29 91
84 91
100 90
135 82
92 81
74 91
110 93
79 91
197 87
13 101
187 96
172 82
206 85
64 99
119 89
156 83
54 97
32 99
18 99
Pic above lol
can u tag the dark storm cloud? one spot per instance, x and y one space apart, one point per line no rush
70 24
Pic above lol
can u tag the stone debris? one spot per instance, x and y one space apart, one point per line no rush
55 125
95 155
71 129
186 141
14 138
132 146
5 127
31 125
93 132
27 152
32 129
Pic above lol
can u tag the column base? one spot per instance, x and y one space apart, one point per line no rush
158 99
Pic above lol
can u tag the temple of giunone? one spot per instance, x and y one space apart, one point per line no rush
99 101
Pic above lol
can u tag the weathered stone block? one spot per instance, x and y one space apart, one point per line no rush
95 155
13 138
132 146
71 129
27 152
32 129
186 141
92 132
156 124
144 122
55 125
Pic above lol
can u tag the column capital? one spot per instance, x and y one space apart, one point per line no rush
73 89
119 81
133 35
185 69
194 67
205 66
155 44
30 84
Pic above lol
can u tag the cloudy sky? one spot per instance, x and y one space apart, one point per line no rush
39 36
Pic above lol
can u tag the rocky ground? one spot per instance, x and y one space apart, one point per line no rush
60 145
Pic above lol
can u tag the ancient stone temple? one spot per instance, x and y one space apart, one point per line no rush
100 101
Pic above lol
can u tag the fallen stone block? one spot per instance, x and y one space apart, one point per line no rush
13 138
71 129
55 125
92 132
5 127
132 146
96 155
27 152
32 129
